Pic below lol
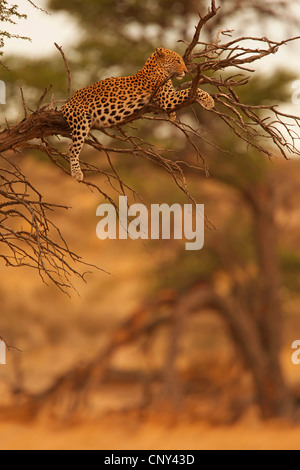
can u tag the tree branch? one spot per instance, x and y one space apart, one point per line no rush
264 127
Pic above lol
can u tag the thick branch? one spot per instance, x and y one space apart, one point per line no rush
40 124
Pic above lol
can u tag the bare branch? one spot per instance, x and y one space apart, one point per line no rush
38 8
23 101
27 234
203 20
67 69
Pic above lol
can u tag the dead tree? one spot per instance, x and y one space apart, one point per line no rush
264 128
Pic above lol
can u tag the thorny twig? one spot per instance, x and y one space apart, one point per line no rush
28 236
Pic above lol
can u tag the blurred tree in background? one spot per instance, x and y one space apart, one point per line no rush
118 30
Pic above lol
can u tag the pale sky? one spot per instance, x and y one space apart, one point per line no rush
43 29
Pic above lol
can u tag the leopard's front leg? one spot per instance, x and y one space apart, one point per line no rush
169 98
205 99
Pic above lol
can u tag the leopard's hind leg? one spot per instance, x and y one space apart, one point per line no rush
80 124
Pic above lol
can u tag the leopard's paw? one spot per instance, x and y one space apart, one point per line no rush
172 116
77 174
205 100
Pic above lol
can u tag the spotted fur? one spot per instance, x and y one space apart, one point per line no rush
110 102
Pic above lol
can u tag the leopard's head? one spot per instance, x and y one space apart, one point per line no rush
171 62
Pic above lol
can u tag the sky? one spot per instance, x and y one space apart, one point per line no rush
44 29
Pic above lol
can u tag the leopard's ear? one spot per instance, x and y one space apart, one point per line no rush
160 52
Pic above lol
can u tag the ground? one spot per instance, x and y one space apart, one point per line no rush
114 433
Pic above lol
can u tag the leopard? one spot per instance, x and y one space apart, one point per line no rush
111 101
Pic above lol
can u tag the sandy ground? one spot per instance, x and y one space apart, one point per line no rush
107 434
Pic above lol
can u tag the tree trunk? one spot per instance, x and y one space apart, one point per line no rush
273 394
